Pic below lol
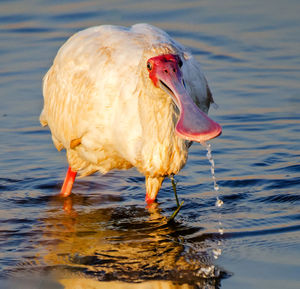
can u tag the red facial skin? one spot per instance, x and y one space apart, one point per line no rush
169 63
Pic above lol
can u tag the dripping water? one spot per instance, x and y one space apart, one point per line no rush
217 251
209 156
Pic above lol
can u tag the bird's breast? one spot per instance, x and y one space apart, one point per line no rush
161 151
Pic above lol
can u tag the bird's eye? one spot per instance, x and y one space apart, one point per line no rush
180 62
149 66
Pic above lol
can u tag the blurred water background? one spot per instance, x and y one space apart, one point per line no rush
250 52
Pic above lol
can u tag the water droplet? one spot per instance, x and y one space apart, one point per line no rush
217 252
219 203
212 166
206 271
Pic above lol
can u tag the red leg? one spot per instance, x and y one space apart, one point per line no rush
68 183
153 185
149 200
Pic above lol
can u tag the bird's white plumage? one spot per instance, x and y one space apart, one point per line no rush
104 110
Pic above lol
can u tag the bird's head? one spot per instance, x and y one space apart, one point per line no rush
193 124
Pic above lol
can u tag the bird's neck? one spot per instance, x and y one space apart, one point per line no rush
162 149
158 114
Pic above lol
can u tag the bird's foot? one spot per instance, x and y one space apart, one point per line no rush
179 205
170 219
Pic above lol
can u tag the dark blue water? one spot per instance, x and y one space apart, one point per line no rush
250 53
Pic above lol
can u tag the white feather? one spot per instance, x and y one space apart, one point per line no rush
98 91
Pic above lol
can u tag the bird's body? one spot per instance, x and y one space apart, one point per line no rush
105 108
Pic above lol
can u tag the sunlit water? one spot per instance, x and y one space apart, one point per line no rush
106 236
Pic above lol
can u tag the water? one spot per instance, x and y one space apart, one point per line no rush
249 51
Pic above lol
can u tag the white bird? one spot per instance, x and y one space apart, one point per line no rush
118 97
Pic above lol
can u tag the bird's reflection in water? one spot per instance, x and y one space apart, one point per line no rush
129 243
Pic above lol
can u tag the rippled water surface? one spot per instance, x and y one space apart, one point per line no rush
106 237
